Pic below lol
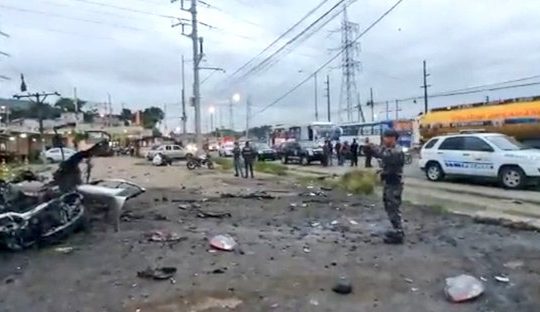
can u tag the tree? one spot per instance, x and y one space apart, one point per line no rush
68 105
151 116
126 114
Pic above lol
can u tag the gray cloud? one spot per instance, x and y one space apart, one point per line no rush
138 61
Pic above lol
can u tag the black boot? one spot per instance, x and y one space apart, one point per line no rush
394 237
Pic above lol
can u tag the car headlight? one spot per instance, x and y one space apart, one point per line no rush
405 150
191 147
310 152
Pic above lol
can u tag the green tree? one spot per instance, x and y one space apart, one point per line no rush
126 114
151 116
68 105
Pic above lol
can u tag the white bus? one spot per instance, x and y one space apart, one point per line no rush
373 132
314 131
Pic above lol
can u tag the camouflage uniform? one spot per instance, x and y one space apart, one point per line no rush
393 161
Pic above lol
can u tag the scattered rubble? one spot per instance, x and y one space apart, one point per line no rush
161 273
463 288
212 214
343 286
164 236
502 279
223 242
64 250
253 195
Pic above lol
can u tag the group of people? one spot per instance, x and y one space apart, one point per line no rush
243 158
346 151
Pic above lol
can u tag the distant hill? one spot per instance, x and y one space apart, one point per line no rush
15 104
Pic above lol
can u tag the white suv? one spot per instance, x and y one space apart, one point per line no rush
489 155
171 151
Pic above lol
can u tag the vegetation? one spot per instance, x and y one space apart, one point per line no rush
224 163
358 182
270 168
151 116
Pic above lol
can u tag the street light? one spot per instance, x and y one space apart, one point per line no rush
236 97
211 110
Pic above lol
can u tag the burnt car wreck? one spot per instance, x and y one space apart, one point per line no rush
34 211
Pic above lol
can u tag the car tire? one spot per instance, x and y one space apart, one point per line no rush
512 177
434 171
304 161
189 156
284 160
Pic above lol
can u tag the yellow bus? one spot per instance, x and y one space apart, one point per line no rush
518 117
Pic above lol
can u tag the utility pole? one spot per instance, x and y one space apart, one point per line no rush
425 87
372 104
184 116
38 99
197 57
316 97
231 120
387 111
397 109
248 112
328 98
109 109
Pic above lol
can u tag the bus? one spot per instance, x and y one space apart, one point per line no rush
315 131
373 131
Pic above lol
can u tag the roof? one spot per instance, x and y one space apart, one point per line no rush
484 134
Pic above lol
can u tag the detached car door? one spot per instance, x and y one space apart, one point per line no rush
451 155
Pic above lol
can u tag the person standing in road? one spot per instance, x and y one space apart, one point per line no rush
330 153
393 160
324 161
354 153
345 152
338 152
367 148
249 157
237 160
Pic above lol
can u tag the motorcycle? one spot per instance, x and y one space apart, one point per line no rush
408 156
198 162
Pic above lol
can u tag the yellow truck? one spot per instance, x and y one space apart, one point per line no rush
518 117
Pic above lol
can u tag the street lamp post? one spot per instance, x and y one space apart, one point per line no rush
212 110
234 99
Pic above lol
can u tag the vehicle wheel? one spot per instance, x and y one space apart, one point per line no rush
284 160
512 177
434 171
210 165
304 161
191 165
189 156
50 161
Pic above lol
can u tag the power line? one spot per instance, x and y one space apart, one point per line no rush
265 63
273 43
211 6
373 24
116 7
68 17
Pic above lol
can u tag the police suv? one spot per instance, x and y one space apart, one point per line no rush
487 155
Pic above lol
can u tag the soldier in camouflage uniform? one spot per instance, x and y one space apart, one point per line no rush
393 160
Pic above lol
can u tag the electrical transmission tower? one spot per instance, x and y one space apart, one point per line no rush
350 65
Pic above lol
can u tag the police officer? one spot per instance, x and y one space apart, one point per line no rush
237 160
393 160
248 154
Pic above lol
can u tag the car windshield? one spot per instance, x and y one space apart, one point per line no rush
506 143
262 146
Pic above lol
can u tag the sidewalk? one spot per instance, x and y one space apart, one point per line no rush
472 200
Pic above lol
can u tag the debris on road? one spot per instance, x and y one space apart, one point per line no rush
253 195
64 250
463 288
212 214
223 242
343 286
516 264
164 236
161 273
502 279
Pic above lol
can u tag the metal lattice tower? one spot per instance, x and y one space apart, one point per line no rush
350 65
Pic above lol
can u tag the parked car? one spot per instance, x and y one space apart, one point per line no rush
170 151
301 152
265 152
487 155
54 154
226 149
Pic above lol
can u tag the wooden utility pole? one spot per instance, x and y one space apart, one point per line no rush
372 104
38 99
425 87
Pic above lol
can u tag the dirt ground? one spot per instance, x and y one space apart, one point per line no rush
287 259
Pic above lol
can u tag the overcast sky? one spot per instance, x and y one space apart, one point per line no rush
62 44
